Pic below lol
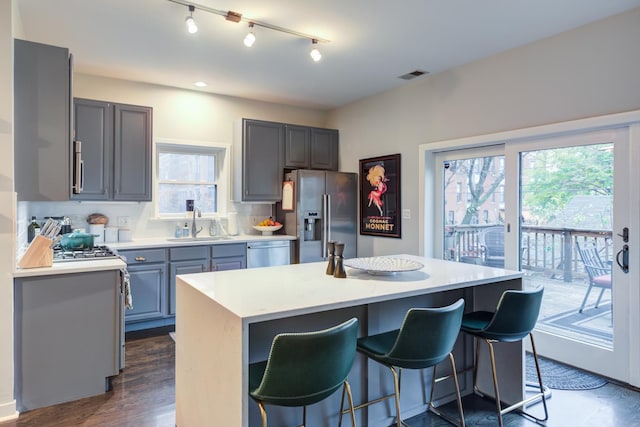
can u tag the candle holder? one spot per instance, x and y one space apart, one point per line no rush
331 266
339 268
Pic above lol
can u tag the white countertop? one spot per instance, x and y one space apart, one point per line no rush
162 242
273 292
153 242
72 267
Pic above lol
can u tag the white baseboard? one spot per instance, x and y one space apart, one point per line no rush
8 411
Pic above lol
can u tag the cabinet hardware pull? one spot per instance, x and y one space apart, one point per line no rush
140 258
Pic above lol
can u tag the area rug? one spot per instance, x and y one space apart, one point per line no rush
594 322
559 376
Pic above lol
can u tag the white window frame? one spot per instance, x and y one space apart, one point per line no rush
222 152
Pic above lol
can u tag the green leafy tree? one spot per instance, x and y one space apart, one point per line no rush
553 177
482 180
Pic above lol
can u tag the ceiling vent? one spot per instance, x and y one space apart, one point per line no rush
413 74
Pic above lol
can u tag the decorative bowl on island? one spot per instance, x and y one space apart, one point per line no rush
267 230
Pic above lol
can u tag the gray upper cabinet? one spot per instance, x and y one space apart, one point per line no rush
116 150
297 147
42 122
324 149
311 148
94 131
262 160
132 151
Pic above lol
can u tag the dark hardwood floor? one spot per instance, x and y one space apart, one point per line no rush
143 396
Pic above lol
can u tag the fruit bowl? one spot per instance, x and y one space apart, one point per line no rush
267 230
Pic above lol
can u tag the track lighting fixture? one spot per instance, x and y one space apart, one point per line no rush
190 22
250 38
314 52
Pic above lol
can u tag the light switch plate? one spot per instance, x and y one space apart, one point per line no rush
406 213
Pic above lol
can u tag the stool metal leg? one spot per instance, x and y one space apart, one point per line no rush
517 405
495 381
435 380
346 389
263 414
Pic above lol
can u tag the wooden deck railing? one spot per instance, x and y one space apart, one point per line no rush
545 249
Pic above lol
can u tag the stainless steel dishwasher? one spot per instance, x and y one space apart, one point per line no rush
268 253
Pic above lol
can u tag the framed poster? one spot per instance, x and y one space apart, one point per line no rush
380 196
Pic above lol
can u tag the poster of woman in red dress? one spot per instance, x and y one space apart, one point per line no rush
378 181
380 196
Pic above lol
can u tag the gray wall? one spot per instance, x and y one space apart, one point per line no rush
590 71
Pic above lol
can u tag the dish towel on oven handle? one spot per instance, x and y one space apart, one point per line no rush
128 301
126 284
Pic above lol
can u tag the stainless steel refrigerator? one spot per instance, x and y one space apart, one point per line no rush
324 208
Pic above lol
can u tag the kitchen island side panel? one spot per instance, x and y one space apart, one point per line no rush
67 336
211 350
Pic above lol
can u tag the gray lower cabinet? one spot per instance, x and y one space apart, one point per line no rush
41 121
67 336
185 260
116 150
148 292
153 272
228 257
148 281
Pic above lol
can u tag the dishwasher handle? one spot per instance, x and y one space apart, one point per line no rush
266 245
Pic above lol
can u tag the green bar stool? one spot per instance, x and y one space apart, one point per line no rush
424 340
514 319
305 368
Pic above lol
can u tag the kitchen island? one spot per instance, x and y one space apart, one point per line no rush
226 320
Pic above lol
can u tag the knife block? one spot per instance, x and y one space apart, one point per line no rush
38 254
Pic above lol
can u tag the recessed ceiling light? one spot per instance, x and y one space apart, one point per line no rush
200 84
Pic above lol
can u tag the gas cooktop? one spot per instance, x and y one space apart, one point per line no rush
98 252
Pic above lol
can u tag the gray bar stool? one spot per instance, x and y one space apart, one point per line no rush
425 339
514 319
305 368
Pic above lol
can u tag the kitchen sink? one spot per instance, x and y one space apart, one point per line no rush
199 239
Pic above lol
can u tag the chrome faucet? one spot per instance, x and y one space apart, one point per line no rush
194 231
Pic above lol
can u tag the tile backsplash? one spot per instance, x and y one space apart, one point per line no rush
140 216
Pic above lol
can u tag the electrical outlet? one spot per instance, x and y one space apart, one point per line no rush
406 213
124 221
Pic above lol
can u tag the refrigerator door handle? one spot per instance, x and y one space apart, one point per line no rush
324 226
328 216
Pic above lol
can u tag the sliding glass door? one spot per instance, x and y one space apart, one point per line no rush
573 199
555 208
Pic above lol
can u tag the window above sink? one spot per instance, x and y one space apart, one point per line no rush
191 170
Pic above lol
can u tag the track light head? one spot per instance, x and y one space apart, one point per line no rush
192 28
315 52
250 38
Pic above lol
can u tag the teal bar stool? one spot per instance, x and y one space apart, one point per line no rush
514 319
424 340
305 368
